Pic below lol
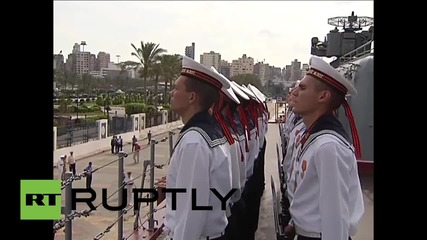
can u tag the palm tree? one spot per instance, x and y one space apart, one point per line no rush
146 55
171 66
156 71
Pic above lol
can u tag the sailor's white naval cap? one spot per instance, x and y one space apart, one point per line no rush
197 71
329 75
63 156
227 91
248 92
238 91
257 93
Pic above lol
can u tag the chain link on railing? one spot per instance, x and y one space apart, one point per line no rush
102 234
160 166
73 178
76 214
86 213
147 217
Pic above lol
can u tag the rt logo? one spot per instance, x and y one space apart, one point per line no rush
40 199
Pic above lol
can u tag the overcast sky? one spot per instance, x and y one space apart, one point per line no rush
278 32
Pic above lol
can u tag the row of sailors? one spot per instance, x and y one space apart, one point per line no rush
319 162
221 147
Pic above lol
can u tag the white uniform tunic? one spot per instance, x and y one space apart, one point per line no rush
242 164
129 187
265 118
60 166
294 139
253 153
328 198
235 169
261 132
288 125
195 165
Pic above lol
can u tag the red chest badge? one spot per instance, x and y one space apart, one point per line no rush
304 165
303 168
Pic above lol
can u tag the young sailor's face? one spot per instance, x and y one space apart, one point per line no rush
305 96
179 96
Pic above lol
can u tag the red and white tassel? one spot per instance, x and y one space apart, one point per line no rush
354 133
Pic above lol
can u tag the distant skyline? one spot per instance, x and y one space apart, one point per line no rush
278 31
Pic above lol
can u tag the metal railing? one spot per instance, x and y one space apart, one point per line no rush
153 225
362 51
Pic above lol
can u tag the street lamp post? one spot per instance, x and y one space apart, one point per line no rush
107 108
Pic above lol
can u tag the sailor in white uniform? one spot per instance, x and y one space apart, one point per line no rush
291 117
60 165
129 185
252 133
261 113
253 188
235 114
238 116
327 201
201 157
284 125
262 110
293 132
258 177
235 151
291 154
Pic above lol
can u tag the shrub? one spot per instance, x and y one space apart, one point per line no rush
100 101
134 108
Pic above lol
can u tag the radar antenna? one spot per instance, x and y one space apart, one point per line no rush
338 43
351 23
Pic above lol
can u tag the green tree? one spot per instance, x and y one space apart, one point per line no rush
100 101
146 55
171 67
156 71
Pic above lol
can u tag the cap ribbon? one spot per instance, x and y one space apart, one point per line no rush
354 133
245 124
216 110
234 126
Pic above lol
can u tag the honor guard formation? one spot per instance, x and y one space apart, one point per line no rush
219 155
219 151
215 178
